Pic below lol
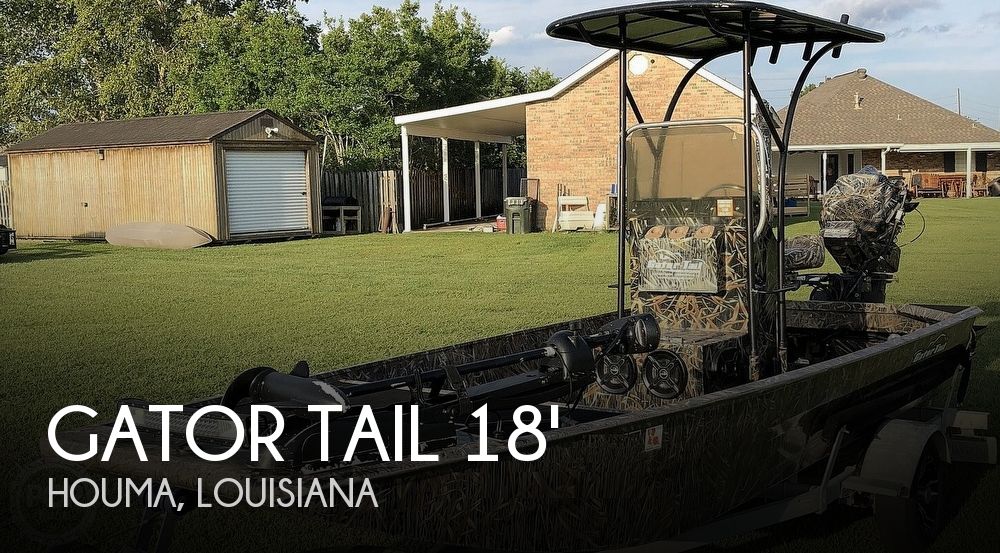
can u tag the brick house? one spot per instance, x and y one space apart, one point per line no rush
854 120
571 130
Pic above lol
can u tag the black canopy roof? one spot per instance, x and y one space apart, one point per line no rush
702 29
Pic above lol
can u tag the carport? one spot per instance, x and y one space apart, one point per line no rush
495 121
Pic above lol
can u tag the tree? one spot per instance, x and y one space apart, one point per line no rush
256 57
808 88
368 71
77 60
90 60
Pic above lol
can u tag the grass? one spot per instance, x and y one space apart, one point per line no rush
90 323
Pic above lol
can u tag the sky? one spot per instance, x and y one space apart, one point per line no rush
933 48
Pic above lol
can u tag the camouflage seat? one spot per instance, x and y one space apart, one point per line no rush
804 252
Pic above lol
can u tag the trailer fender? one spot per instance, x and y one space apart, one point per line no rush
891 461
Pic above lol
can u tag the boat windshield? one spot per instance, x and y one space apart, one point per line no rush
687 162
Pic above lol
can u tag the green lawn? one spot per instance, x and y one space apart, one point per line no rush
90 323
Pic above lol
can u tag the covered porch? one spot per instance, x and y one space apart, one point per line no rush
973 164
826 163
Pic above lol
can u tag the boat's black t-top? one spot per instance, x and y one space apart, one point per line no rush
698 249
698 30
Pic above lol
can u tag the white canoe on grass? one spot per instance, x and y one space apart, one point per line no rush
169 236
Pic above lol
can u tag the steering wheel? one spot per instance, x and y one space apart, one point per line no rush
709 193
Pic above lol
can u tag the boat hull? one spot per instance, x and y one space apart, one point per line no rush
605 484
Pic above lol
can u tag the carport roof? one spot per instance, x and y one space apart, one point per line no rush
147 131
501 120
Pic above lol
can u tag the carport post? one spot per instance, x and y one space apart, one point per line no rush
822 171
444 180
479 185
503 160
968 173
884 152
407 222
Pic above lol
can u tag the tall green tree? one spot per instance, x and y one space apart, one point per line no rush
255 57
77 60
88 60
368 70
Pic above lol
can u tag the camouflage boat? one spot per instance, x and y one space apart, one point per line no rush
707 405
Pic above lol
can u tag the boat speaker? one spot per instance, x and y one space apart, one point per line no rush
664 374
617 374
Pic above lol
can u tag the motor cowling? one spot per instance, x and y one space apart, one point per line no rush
266 385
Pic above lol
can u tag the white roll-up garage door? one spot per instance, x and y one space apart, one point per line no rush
266 191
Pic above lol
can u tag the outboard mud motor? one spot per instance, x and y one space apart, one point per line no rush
560 369
861 219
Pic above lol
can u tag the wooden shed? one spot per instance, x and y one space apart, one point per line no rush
235 175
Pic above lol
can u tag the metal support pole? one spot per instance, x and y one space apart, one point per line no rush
782 179
683 84
479 184
407 201
444 180
885 151
968 173
749 191
825 162
622 169
506 174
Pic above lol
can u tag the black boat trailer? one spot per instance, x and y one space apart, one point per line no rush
893 478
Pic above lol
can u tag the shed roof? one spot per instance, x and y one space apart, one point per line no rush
881 114
168 129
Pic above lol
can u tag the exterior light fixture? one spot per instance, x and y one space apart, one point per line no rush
638 64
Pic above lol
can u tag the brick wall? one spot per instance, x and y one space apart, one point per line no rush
905 164
871 157
573 139
897 163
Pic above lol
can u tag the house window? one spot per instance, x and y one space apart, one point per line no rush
949 162
981 166
850 164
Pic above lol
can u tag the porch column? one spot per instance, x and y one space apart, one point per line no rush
444 180
479 185
407 221
503 160
885 151
823 172
968 173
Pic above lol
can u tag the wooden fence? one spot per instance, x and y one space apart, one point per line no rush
377 191
374 190
5 208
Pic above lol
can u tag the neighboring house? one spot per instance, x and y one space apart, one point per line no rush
854 120
571 130
234 175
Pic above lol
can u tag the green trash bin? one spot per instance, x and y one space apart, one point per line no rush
520 214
